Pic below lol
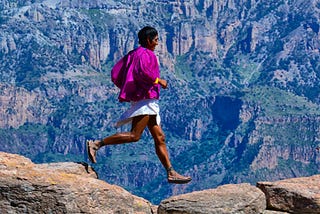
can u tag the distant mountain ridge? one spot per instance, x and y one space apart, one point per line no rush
243 98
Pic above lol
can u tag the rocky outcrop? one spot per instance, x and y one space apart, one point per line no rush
26 187
226 199
296 195
69 187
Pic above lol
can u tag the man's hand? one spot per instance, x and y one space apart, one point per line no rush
163 83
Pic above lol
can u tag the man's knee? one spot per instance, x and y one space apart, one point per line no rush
135 137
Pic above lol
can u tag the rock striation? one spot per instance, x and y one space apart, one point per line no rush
26 187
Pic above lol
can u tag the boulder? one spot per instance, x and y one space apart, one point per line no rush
295 195
26 187
232 198
274 212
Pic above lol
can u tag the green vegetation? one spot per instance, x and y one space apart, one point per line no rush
182 68
290 133
49 157
247 72
277 102
31 136
265 9
100 19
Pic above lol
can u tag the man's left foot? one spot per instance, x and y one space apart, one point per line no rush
176 178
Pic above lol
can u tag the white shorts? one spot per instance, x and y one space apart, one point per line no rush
142 107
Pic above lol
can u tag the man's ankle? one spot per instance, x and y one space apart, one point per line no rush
100 143
170 169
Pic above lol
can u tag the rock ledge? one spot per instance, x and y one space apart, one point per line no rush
68 187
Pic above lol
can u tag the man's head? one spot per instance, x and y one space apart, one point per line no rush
148 37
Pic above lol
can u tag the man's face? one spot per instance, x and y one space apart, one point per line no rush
151 44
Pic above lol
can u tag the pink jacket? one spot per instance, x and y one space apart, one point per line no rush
135 75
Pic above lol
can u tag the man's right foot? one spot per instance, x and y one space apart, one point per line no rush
92 150
176 178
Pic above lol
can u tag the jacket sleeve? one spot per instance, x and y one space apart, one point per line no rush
147 70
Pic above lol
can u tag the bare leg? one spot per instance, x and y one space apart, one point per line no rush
159 141
139 123
161 150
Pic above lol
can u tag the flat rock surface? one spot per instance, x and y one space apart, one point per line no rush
226 199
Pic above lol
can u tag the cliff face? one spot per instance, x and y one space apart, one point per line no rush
243 101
